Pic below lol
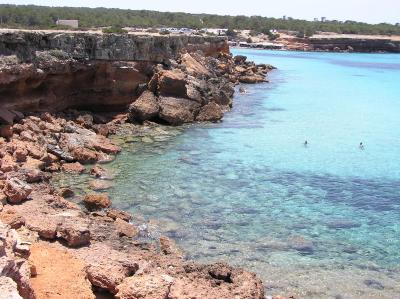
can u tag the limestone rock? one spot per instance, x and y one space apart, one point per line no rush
73 167
75 234
172 83
210 112
125 229
109 276
148 286
8 288
96 201
114 214
144 108
16 190
177 111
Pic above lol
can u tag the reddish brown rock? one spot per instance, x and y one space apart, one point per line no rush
46 227
84 155
75 234
96 201
210 112
12 218
125 229
8 164
172 83
177 111
144 108
16 190
32 163
194 67
20 154
109 276
148 286
114 214
98 171
73 167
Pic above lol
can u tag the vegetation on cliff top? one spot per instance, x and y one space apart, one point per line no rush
30 16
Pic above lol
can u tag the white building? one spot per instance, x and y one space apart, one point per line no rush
69 23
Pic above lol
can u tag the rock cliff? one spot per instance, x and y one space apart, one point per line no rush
354 44
52 71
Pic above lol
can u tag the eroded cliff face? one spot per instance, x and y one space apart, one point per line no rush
41 71
366 45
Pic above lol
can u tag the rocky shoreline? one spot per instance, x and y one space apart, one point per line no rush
52 247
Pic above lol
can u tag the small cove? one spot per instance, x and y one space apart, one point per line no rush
321 221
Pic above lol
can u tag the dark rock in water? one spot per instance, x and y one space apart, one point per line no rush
350 249
301 244
342 223
188 160
372 283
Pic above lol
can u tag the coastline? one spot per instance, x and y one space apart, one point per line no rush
43 229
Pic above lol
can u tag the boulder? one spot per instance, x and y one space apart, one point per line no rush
144 108
109 276
96 201
12 218
210 112
75 234
172 83
114 214
194 67
16 190
73 167
8 164
46 227
125 229
147 286
32 163
177 111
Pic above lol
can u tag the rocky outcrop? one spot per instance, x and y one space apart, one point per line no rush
41 71
194 88
15 270
356 44
109 47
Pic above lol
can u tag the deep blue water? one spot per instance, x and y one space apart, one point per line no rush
320 221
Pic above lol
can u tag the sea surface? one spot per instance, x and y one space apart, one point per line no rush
316 221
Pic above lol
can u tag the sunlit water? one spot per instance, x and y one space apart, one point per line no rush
321 221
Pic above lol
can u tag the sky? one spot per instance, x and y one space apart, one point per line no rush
371 11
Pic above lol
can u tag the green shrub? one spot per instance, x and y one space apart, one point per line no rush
114 29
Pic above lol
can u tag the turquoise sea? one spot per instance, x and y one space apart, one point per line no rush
316 221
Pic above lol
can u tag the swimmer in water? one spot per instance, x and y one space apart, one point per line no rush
305 143
361 146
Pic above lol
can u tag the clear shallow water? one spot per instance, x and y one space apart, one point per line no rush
321 221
